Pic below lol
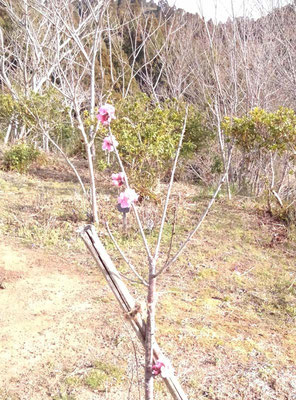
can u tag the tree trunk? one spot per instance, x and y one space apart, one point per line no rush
126 301
6 139
45 144
150 333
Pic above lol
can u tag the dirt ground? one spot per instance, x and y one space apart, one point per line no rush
45 301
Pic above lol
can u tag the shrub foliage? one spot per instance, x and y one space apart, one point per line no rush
19 157
148 136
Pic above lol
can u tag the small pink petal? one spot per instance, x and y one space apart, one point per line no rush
109 142
106 114
127 197
118 179
156 368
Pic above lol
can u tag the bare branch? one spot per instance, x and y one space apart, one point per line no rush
130 265
133 206
164 213
205 213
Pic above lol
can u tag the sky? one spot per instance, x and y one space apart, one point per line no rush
221 10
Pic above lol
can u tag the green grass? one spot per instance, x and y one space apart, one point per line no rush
99 378
64 396
102 375
45 214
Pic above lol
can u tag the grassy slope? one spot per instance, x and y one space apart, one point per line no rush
227 308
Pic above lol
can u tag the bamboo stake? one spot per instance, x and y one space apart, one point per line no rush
125 300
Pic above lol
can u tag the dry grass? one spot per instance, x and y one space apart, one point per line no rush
226 310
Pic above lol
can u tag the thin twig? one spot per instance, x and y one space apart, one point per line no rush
170 187
173 233
292 284
133 206
129 279
290 204
192 233
124 256
60 150
196 173
68 162
137 366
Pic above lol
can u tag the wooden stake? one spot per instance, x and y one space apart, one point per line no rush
125 300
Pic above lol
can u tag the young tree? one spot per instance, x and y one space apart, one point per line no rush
127 200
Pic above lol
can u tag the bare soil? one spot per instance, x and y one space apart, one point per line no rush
51 321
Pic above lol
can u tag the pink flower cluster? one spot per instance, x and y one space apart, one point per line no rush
127 198
106 114
118 179
156 368
162 368
109 143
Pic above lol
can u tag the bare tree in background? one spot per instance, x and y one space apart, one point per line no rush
65 40
28 56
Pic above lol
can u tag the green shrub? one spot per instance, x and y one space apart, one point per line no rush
287 214
260 129
148 136
19 157
217 165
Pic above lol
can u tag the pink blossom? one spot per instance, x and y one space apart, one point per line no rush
106 114
127 197
118 179
109 143
157 367
162 367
